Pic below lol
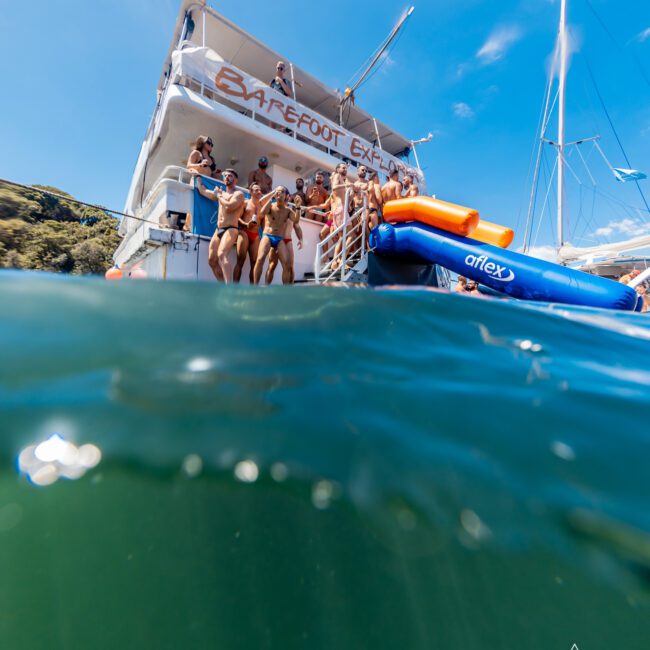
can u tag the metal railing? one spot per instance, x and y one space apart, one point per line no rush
348 241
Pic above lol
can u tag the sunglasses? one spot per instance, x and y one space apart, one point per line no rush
280 67
209 142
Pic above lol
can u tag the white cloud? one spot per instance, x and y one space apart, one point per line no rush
498 43
643 36
548 253
463 111
627 227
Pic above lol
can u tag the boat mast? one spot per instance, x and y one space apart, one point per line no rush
349 92
563 54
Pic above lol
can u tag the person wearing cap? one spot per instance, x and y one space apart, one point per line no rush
279 82
260 176
628 277
231 209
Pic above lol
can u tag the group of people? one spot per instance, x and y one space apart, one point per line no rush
466 286
261 226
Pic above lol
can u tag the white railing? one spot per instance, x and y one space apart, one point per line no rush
340 263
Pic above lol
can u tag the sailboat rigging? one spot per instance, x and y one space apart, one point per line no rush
567 253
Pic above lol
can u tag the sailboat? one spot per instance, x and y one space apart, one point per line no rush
611 259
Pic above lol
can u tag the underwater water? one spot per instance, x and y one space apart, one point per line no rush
313 467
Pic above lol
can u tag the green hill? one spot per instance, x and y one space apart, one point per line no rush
44 233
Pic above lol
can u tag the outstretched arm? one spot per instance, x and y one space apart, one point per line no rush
325 206
266 201
213 195
295 217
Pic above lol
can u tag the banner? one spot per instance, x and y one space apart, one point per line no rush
206 211
232 84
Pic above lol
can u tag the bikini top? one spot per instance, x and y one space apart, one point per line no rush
213 165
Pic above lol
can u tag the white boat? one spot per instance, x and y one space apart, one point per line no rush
611 259
215 82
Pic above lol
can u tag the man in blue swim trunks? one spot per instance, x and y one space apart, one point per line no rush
276 216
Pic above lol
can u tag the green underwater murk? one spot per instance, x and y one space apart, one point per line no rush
315 467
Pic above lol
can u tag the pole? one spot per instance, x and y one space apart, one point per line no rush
563 52
389 40
415 154
374 121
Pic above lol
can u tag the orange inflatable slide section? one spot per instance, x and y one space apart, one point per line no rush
492 233
439 214
448 216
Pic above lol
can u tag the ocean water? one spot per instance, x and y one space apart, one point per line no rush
318 467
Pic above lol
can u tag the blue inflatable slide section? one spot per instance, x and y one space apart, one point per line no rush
511 273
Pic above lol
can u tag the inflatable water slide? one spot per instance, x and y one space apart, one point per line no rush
455 237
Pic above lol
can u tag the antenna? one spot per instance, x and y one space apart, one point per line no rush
428 138
349 92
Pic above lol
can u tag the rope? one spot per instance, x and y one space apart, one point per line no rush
103 209
618 47
611 124
541 124
69 198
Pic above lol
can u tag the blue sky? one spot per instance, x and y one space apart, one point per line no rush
80 81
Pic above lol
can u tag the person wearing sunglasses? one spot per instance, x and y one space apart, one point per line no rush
279 82
201 160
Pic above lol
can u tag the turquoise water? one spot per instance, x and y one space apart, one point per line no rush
322 468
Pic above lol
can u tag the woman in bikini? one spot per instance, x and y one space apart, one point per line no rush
201 162
201 159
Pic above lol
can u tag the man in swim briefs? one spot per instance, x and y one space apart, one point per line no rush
231 207
375 200
410 188
273 255
276 216
248 241
361 187
260 176
316 198
340 185
392 190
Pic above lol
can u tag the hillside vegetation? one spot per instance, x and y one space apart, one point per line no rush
45 233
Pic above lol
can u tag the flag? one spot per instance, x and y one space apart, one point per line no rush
206 211
624 175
